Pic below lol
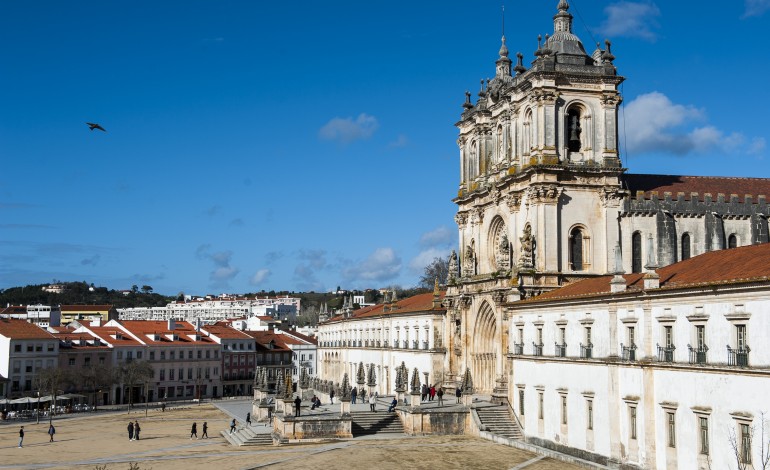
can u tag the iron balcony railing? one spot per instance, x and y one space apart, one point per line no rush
537 349
560 350
424 345
738 357
698 355
586 350
518 349
415 344
395 344
629 352
406 344
666 353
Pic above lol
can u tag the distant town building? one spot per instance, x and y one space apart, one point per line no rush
103 313
214 310
25 349
38 314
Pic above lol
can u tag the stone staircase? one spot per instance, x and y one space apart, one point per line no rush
366 423
245 436
497 420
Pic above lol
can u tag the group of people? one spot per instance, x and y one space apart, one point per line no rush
430 392
204 435
133 430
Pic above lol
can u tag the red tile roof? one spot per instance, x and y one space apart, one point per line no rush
143 328
265 337
305 338
106 333
696 184
225 331
416 303
14 328
733 266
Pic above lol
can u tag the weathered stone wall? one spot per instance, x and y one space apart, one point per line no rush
422 422
290 428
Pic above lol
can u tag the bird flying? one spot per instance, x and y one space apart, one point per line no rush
93 125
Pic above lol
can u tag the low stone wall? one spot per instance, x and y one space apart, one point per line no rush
287 428
437 422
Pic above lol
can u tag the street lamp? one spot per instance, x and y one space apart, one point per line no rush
38 408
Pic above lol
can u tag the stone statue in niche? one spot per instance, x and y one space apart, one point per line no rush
452 275
469 261
527 248
503 253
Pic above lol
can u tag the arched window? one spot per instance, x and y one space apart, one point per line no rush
732 241
576 249
636 252
574 130
685 246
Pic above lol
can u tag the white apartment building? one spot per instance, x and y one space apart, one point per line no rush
655 370
25 349
214 310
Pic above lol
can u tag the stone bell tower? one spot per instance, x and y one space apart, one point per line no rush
539 191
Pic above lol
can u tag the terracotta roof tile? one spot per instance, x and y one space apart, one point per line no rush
736 265
21 329
416 303
696 184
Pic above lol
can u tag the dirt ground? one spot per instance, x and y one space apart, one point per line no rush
101 442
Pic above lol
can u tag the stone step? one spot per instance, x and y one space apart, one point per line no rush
247 437
498 421
367 423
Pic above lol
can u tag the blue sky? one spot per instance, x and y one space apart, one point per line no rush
256 145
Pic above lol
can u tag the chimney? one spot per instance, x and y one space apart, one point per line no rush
618 282
651 278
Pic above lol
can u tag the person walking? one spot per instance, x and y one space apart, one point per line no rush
130 428
194 431
440 395
297 402
373 402
431 393
331 397
458 394
423 392
51 432
353 394
205 434
21 437
248 419
232 426
136 430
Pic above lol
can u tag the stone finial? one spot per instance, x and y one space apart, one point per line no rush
360 374
467 384
519 68
400 386
539 50
371 376
415 384
304 381
280 385
345 388
607 55
288 392
618 282
651 277
467 104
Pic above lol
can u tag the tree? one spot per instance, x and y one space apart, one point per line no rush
146 289
438 268
132 374
51 381
134 288
742 445
94 378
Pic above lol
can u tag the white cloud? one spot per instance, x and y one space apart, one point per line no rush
756 146
259 277
655 124
223 271
346 130
631 19
756 8
401 141
383 264
439 237
426 257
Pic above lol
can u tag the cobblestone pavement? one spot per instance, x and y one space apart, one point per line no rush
101 441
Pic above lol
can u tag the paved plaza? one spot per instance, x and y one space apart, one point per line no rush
101 441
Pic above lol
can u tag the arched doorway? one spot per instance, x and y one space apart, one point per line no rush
484 353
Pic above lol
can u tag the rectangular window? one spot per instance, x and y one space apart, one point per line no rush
562 335
87 361
163 374
631 336
39 347
71 361
521 335
50 347
200 354
704 435
539 336
189 354
590 404
540 405
671 429
700 336
563 409
120 354
139 354
521 402
208 354
189 373
181 373
16 348
30 348
172 354
588 336
163 355
102 361
632 421
740 332
171 374
152 355
668 336
745 444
